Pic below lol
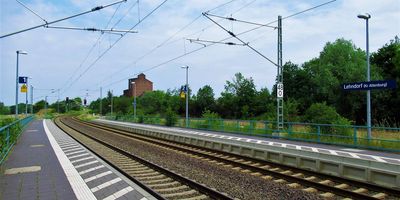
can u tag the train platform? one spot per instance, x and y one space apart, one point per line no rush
375 167
371 155
46 163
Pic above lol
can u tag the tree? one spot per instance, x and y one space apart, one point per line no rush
239 96
387 59
204 100
4 110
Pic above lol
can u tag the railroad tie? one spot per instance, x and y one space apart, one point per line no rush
327 195
176 195
201 197
256 174
310 189
310 178
294 185
298 175
287 172
360 190
380 195
157 181
275 169
163 185
326 182
280 181
342 186
267 177
246 171
172 189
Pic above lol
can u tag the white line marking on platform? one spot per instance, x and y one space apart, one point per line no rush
21 170
75 152
379 159
354 155
91 169
106 184
355 150
333 152
86 164
82 159
72 149
119 193
97 176
79 187
79 155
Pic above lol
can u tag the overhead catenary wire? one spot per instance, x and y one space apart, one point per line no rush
94 29
62 19
236 37
212 44
104 52
242 21
165 42
35 13
92 48
98 40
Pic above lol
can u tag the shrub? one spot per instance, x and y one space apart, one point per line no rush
170 117
321 113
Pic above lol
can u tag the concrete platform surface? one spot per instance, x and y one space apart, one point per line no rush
46 163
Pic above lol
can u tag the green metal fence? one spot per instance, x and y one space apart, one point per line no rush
383 138
9 135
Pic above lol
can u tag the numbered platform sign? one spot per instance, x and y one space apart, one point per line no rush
22 79
24 89
279 92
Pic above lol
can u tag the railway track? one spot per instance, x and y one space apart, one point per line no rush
327 186
162 183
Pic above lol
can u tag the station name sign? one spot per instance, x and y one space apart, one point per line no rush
371 85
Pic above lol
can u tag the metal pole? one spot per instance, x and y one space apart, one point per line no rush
26 99
45 106
368 79
111 102
31 99
16 89
134 103
101 102
187 97
366 16
279 80
58 100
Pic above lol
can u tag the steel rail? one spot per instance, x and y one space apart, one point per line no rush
200 187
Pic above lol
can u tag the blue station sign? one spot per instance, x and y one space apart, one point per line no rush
22 79
371 85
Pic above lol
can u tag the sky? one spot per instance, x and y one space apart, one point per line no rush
74 63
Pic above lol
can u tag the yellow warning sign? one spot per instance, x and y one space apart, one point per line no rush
182 94
24 89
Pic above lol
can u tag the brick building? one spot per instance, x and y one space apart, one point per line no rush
142 85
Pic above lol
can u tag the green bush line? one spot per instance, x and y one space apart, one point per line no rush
351 136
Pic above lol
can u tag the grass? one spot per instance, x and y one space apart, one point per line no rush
355 136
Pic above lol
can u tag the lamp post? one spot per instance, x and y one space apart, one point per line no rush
187 96
16 83
134 100
31 99
366 16
26 97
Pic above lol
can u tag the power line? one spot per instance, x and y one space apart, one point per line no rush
211 44
165 42
235 36
59 20
92 48
101 55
